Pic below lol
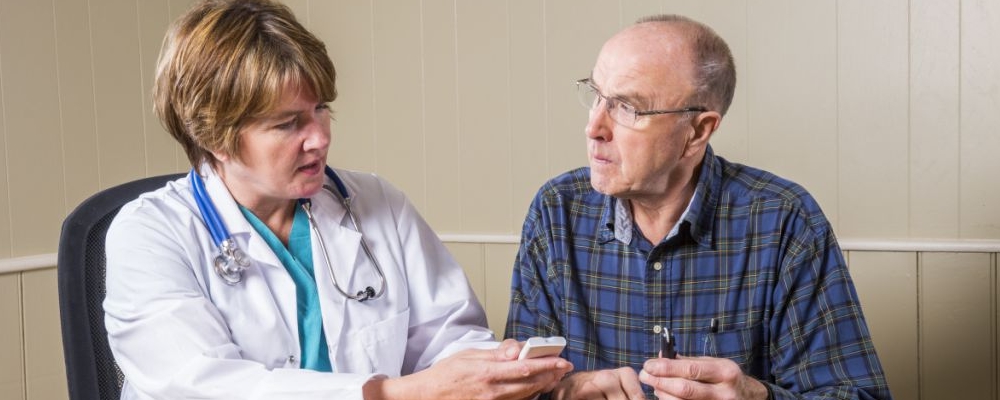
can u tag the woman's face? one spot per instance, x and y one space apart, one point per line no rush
282 154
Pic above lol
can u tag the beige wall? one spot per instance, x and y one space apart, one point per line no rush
886 110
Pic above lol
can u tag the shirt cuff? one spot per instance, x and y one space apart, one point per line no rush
770 390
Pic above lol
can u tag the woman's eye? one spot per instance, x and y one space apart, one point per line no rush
284 126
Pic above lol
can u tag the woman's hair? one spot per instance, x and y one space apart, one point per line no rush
225 63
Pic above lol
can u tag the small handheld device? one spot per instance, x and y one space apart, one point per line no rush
536 347
667 345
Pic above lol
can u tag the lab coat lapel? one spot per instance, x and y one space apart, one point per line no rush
263 261
238 226
343 245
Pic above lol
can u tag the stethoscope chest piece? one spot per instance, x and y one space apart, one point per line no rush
231 262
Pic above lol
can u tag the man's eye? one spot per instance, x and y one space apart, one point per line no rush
625 107
619 106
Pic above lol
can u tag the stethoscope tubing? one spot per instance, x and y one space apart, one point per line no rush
208 211
229 252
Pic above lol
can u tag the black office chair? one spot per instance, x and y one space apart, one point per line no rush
90 368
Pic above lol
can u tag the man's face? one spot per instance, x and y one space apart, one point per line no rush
646 67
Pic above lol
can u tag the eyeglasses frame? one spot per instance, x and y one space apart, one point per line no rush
607 104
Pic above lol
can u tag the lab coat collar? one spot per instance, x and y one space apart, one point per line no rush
238 226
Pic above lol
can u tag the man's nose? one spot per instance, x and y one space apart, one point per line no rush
599 122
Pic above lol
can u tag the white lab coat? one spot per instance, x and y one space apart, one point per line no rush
178 331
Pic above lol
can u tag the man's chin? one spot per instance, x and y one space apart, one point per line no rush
602 186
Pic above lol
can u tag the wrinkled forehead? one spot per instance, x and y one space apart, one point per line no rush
645 59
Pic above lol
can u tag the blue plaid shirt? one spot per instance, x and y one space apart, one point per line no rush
753 252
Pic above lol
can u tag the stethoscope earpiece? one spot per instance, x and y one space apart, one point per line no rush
366 294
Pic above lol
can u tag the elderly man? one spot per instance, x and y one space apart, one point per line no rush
662 243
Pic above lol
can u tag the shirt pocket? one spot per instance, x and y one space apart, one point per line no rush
379 347
745 346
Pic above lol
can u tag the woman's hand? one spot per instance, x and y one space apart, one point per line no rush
476 374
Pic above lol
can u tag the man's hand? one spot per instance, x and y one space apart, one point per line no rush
476 374
621 383
700 378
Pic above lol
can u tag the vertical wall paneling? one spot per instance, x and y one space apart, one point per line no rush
499 268
631 10
346 28
470 257
887 288
872 77
5 207
301 10
956 361
791 88
31 124
572 42
934 118
528 105
161 148
980 100
483 111
443 205
45 372
399 139
117 96
11 337
729 19
75 102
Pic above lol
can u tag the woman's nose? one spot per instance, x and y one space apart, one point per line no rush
318 135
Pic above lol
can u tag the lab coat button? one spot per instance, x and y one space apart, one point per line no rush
291 359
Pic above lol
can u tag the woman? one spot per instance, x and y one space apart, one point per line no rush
293 292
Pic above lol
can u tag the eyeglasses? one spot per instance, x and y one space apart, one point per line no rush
621 112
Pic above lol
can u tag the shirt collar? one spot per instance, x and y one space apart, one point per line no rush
617 216
623 227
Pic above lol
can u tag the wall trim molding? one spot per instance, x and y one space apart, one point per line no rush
27 263
43 261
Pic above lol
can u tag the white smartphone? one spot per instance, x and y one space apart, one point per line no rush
542 347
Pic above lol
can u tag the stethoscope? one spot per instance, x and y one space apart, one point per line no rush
231 261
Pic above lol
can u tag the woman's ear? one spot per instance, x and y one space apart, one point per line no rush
219 156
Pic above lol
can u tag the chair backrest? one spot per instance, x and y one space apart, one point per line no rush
91 371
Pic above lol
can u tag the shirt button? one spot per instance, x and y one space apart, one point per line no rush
657 265
657 329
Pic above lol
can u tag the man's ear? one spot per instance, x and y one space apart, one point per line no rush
703 126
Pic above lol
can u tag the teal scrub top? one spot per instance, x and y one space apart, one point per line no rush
297 259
